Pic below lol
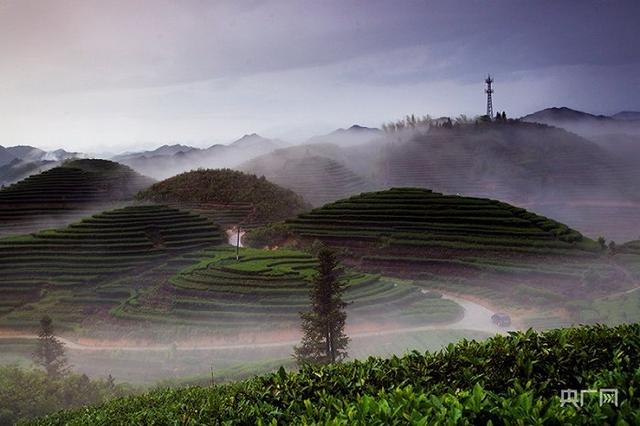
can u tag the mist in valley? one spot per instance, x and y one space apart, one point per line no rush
275 174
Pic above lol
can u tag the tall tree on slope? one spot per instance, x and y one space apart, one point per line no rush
324 340
50 351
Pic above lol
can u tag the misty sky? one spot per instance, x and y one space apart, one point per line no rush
108 76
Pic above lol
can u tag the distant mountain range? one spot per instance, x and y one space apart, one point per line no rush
18 162
586 124
158 152
582 170
169 160
354 135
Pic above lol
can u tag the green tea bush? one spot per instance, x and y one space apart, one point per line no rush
505 380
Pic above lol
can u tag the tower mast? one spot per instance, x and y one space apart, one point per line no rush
489 91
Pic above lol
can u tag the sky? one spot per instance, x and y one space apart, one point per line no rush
110 76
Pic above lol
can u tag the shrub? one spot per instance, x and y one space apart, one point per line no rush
267 236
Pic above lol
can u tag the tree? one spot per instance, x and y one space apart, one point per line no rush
324 340
50 352
602 243
504 116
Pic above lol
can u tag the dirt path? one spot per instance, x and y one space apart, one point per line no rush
476 317
621 293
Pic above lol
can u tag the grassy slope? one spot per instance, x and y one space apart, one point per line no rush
267 289
505 380
72 273
502 253
229 195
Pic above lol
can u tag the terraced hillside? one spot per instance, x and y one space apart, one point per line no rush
421 218
226 196
73 273
317 178
476 246
522 162
266 290
63 194
547 169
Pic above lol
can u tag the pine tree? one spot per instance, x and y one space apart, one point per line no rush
50 351
324 340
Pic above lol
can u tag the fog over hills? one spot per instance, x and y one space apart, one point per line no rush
586 124
581 170
18 162
547 169
354 135
167 161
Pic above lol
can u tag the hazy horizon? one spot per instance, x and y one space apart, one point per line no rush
113 76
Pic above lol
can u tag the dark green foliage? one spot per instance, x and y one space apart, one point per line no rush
324 340
507 380
50 352
271 203
271 235
405 216
602 243
25 394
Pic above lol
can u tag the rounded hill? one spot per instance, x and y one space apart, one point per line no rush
453 243
63 194
229 197
423 218
78 270
319 179
77 181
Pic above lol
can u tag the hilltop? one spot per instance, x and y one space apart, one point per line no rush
164 150
353 136
422 218
504 380
228 196
60 195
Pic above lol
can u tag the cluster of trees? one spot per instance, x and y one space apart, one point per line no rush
413 122
272 235
225 186
30 393
613 249
501 116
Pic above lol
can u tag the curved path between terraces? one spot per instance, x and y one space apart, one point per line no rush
476 317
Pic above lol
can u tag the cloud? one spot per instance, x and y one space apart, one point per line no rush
110 74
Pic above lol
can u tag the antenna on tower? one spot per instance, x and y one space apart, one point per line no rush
489 91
